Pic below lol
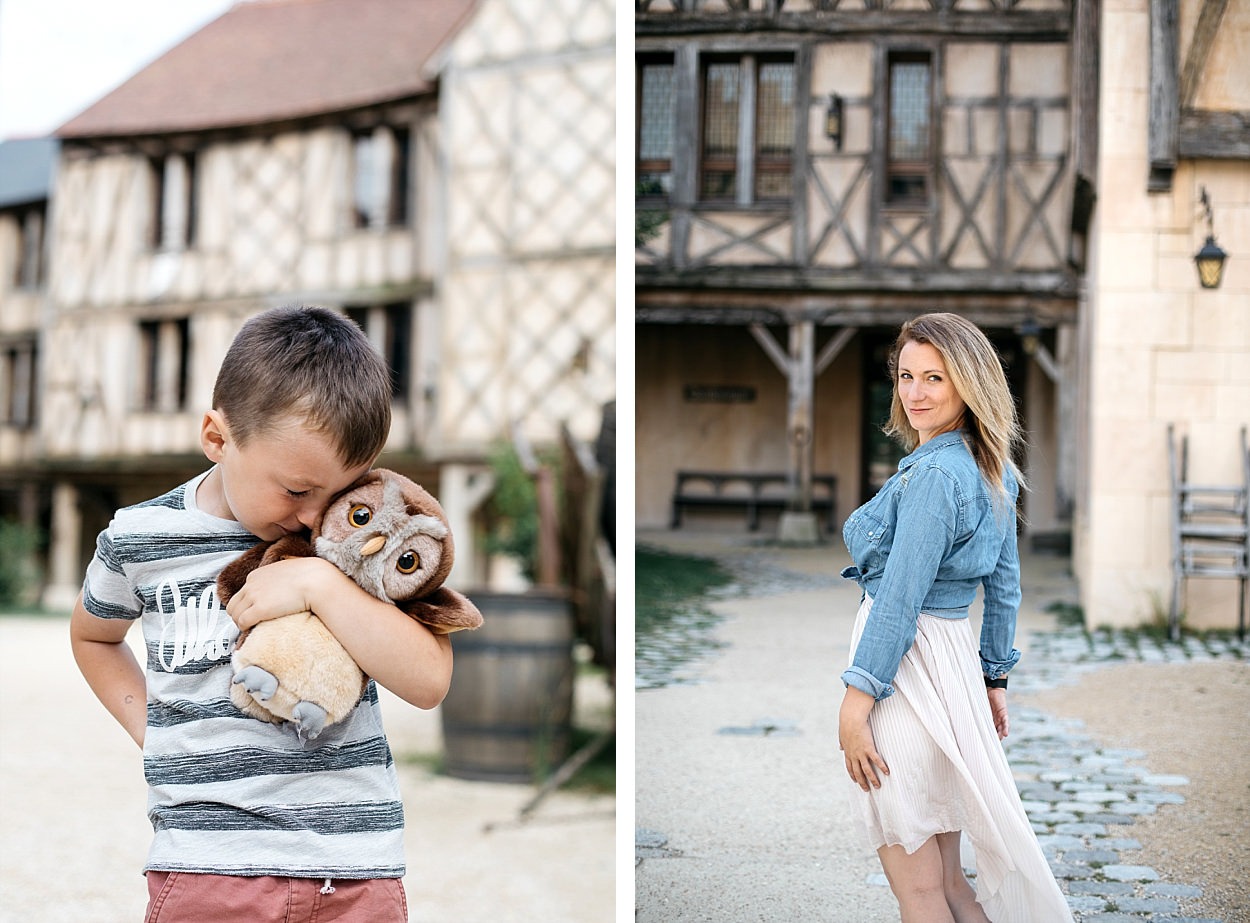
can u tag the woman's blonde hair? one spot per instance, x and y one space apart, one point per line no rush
975 369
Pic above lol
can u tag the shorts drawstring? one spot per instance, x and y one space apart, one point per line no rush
327 888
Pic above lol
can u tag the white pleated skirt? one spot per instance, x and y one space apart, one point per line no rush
948 773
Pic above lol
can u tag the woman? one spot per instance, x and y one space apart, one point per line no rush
923 714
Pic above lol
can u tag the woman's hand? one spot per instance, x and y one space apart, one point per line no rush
278 589
856 742
998 708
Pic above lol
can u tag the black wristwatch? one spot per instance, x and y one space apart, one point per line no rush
1000 683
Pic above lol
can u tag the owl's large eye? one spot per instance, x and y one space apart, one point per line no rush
407 562
359 515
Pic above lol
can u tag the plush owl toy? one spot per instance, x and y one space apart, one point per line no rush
389 535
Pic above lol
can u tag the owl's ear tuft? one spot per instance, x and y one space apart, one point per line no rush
444 611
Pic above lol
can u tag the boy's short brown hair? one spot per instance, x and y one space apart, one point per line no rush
307 362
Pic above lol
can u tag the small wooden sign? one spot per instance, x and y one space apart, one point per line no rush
719 394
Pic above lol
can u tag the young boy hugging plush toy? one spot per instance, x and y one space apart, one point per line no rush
249 821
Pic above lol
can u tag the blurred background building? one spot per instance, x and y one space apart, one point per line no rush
440 170
810 173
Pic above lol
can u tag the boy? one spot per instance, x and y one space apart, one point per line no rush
250 822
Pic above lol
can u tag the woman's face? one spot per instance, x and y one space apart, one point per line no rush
932 404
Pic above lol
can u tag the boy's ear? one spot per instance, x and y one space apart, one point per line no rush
213 435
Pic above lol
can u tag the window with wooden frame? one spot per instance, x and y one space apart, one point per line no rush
381 177
909 147
28 271
164 357
655 120
400 185
389 329
174 181
19 391
748 125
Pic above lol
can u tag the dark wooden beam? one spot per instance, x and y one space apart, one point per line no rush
809 281
779 309
1164 90
1029 26
1200 48
1085 54
1206 134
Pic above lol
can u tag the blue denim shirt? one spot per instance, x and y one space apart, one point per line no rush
951 534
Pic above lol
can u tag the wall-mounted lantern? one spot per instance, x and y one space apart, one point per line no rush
1030 335
833 121
1210 259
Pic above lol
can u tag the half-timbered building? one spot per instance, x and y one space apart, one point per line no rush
399 160
810 173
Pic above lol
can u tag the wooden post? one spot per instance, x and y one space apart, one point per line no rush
549 564
799 422
1164 89
548 519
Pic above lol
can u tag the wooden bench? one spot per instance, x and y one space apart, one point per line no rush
748 490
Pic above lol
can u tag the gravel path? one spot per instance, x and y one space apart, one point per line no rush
73 830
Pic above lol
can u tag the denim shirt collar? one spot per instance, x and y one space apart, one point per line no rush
937 442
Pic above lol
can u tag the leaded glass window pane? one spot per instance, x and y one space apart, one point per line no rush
656 115
909 152
721 98
774 129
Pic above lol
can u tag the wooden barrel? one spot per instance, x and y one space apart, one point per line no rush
508 713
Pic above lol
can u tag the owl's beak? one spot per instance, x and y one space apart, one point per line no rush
373 546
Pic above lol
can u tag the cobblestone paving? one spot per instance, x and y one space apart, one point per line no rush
1083 798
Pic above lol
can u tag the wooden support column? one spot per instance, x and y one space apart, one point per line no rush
65 568
800 424
800 365
797 365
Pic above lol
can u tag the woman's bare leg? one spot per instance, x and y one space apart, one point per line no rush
917 882
960 896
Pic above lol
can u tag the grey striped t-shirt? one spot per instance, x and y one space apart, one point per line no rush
229 794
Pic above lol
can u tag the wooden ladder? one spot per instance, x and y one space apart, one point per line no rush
1210 530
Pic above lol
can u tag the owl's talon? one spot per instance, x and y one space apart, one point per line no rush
310 719
260 684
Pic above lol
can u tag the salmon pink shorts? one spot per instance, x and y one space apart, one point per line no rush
183 897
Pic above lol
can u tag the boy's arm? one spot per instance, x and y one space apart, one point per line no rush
110 668
396 650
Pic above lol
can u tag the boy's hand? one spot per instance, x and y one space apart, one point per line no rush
397 651
282 588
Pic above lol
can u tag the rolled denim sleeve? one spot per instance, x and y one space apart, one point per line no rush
924 534
864 681
1002 603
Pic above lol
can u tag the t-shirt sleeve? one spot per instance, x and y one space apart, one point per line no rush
106 591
